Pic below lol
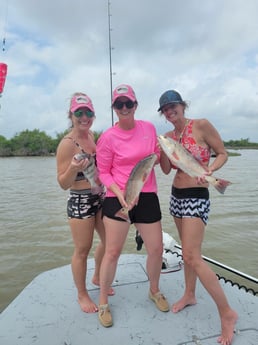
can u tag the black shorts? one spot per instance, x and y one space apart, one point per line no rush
146 211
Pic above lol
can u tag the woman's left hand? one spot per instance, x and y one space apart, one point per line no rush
202 179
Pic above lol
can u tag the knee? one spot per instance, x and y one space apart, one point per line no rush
156 251
81 253
191 259
112 254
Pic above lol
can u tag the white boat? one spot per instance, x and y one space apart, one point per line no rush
46 311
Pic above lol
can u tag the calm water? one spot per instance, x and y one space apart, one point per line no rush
35 235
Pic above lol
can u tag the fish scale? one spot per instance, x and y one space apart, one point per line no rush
90 172
135 183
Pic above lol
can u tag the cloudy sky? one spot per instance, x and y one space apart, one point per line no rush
205 49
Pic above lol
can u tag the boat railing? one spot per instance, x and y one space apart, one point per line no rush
232 270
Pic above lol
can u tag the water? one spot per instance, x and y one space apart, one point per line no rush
35 235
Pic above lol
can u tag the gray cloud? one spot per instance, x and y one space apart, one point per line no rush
206 50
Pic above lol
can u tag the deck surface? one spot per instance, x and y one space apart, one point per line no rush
46 312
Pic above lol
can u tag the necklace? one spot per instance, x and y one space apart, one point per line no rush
183 131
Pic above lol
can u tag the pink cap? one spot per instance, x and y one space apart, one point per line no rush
81 101
124 91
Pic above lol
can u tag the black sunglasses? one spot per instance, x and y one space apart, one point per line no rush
119 105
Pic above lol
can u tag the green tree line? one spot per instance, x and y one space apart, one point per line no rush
32 143
38 143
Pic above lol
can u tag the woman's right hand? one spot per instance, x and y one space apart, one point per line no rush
121 199
79 164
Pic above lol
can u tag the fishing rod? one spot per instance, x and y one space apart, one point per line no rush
110 60
3 65
230 269
5 26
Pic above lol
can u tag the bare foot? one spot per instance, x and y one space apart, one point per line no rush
182 303
87 305
227 328
111 291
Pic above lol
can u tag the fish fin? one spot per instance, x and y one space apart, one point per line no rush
221 185
123 213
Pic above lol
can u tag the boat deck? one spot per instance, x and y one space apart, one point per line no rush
46 312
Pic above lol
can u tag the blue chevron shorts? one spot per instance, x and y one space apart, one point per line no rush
190 203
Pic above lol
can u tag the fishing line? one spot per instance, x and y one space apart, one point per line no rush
5 26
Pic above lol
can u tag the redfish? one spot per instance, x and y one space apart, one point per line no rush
135 183
183 160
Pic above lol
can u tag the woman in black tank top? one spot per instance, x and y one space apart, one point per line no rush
76 171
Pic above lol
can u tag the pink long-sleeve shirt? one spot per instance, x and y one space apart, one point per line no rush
119 150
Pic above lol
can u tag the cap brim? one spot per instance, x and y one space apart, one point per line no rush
178 102
130 98
79 106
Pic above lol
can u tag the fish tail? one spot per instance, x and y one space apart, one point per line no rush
96 189
123 213
221 185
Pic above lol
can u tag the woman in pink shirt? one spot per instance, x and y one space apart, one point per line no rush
119 149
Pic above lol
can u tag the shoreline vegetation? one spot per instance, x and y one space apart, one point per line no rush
37 143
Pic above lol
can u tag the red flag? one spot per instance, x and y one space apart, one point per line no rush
3 73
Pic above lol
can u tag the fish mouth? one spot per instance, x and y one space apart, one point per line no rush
123 214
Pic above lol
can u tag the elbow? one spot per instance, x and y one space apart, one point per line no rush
62 185
226 156
165 170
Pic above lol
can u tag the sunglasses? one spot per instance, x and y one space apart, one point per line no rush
119 105
88 113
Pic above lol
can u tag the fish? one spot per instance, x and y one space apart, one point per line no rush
183 160
135 183
90 172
